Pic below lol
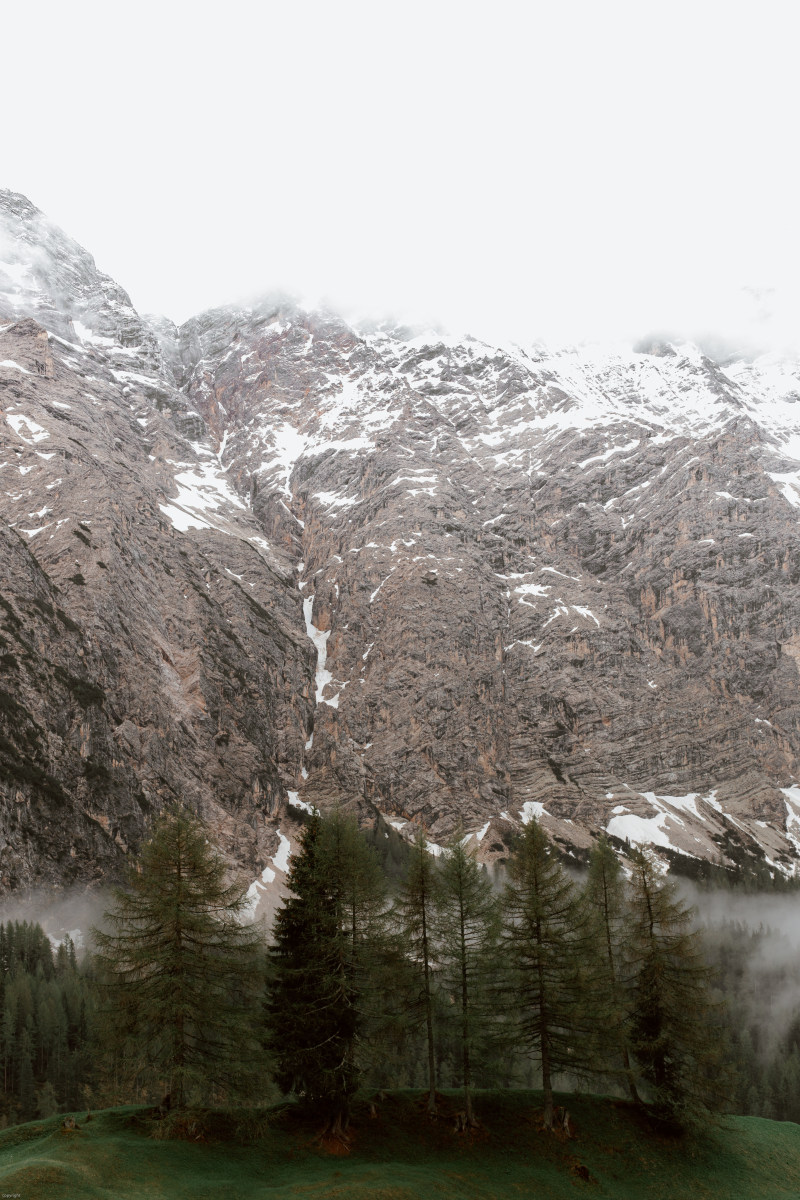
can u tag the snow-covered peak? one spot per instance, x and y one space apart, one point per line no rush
46 275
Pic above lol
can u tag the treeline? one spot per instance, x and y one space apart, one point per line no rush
46 1002
756 976
377 978
444 981
605 982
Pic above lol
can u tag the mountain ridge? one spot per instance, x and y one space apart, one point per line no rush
492 582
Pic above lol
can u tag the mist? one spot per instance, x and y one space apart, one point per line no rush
778 913
66 911
536 174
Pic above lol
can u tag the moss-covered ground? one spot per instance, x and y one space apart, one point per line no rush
399 1154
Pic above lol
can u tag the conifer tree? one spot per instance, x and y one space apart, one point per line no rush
298 1007
466 926
46 1100
27 1086
356 894
181 971
414 920
605 902
327 943
670 1029
543 949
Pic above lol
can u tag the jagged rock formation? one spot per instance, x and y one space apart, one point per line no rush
140 663
454 583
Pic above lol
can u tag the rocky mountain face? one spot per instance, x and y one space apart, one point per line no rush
272 559
152 643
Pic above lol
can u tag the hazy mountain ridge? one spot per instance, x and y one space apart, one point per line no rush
490 581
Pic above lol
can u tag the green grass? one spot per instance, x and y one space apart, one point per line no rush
401 1154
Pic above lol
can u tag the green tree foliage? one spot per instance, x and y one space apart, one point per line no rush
606 907
417 995
544 948
181 970
465 924
414 918
673 1043
327 949
46 1004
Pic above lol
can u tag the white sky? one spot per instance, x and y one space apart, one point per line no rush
541 169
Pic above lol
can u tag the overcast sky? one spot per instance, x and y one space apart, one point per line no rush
534 170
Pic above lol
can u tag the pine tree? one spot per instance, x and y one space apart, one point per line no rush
414 919
605 902
671 1036
543 948
327 947
465 926
181 971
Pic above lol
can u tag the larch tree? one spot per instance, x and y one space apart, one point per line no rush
606 907
356 894
670 1015
181 971
465 924
414 918
544 951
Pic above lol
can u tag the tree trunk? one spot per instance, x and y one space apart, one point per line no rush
465 1028
429 1017
339 1121
544 1033
626 1061
547 1086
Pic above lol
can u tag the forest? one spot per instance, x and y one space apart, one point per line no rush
386 972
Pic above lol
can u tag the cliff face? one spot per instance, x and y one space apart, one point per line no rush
560 584
152 641
454 583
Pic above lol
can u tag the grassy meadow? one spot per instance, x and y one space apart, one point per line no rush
401 1154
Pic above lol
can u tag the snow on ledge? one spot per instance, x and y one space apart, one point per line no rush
532 809
182 520
17 420
641 831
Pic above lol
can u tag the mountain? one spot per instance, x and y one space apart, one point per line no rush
273 559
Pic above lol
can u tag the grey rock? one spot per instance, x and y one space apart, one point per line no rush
444 583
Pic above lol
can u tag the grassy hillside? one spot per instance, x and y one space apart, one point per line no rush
401 1155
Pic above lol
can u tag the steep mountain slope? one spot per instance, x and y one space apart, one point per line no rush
455 583
561 584
153 643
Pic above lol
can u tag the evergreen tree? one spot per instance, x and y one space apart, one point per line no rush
180 969
669 1021
414 919
465 928
46 1100
327 946
605 902
38 1043
356 894
543 949
27 1086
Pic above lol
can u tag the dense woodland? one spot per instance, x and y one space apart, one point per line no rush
398 971
47 1035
